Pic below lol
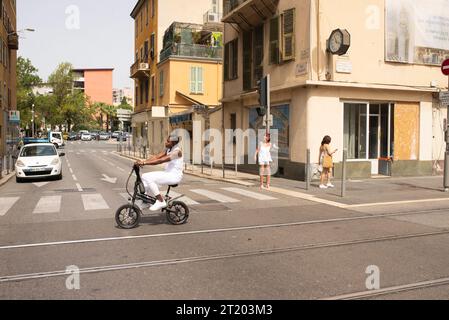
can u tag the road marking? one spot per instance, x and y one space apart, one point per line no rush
247 193
40 184
74 177
109 179
395 203
308 197
211 231
215 196
78 153
71 171
94 202
234 255
188 201
121 169
6 204
51 204
78 186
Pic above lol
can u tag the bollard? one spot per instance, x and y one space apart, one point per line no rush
343 174
308 177
236 166
211 167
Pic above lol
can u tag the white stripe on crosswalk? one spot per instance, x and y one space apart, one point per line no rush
215 196
94 202
249 194
6 204
50 204
186 200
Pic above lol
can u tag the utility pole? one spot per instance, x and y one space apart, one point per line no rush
444 98
32 120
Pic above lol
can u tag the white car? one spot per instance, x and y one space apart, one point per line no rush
38 160
86 137
57 139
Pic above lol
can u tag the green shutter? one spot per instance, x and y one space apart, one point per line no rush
192 79
288 34
200 82
274 41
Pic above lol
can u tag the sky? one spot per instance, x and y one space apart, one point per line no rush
86 33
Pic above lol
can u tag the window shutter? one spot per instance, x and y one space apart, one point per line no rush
161 83
274 40
288 33
226 62
235 54
200 82
192 79
247 60
258 53
152 49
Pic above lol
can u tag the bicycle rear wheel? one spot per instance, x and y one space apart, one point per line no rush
177 213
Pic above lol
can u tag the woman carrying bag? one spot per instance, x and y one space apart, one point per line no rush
326 162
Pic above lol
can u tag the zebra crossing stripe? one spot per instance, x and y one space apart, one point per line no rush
186 200
94 202
50 204
6 204
215 196
249 194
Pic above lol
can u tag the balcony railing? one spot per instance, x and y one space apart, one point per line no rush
192 51
139 69
230 5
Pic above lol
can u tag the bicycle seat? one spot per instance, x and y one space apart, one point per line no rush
174 186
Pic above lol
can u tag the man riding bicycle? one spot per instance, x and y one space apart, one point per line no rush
172 175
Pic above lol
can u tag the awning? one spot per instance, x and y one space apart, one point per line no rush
251 13
186 97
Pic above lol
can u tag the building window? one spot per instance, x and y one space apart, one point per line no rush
161 83
368 130
142 85
231 60
136 24
147 90
274 41
153 90
247 60
141 21
196 80
145 57
258 52
288 35
147 11
152 8
280 128
152 46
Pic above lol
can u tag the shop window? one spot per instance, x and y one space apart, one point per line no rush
281 126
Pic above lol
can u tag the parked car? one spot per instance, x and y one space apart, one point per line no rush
123 135
37 161
115 134
95 134
72 136
78 137
86 136
51 137
104 136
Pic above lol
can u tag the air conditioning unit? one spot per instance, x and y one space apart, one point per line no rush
144 66
211 17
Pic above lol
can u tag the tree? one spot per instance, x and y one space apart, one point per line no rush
61 80
107 110
125 105
27 79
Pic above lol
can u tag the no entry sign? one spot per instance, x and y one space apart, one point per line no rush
445 67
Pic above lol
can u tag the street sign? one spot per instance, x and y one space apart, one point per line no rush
14 116
444 98
445 67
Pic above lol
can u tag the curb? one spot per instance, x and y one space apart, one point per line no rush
241 183
6 178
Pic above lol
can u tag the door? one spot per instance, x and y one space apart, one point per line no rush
374 142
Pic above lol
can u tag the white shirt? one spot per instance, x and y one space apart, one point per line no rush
176 165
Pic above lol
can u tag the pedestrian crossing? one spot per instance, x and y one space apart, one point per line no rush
90 202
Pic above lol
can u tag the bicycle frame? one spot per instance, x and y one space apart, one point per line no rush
139 190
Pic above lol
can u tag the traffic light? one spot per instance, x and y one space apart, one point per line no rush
262 90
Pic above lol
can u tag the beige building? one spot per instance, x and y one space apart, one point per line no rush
9 44
376 95
152 19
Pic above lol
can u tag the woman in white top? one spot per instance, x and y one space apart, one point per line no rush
263 154
327 166
172 175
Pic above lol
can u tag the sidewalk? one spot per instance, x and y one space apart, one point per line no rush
4 178
359 193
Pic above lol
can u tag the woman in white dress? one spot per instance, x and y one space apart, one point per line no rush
263 154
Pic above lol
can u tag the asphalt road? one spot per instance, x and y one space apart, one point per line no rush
239 243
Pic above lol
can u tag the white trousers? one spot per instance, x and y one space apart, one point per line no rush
154 180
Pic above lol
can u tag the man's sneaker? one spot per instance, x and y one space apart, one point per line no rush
322 186
158 206
330 185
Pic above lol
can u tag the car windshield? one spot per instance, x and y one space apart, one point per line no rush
38 151
57 135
